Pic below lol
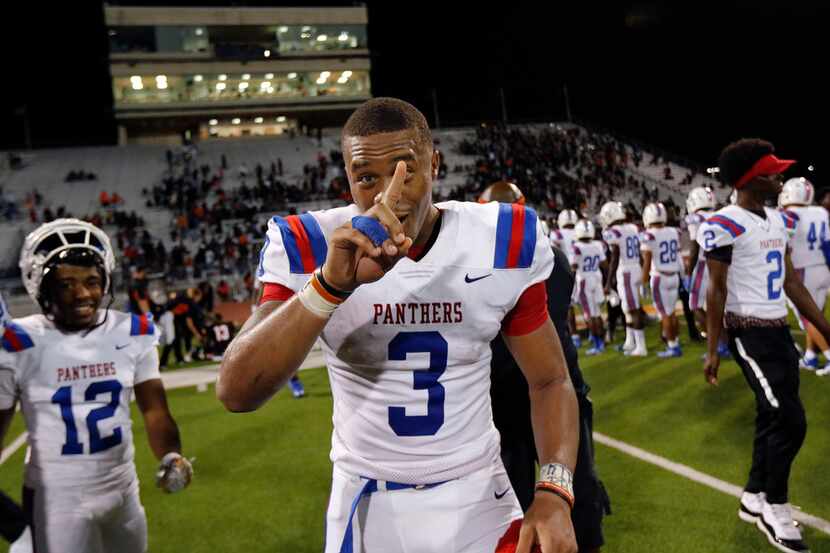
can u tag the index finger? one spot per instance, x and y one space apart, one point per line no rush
392 194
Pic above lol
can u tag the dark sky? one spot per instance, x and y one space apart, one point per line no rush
685 76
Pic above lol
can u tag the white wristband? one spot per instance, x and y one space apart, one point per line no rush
316 299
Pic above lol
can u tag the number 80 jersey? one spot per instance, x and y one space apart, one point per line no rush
409 355
75 391
755 279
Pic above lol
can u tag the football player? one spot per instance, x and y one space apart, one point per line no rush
624 270
406 296
588 262
750 277
74 368
807 248
563 238
661 268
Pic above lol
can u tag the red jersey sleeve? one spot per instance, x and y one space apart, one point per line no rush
529 312
275 292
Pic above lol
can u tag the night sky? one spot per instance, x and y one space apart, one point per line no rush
686 78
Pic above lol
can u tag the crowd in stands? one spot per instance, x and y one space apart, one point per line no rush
79 175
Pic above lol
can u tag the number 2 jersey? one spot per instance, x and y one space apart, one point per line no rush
75 390
409 355
758 244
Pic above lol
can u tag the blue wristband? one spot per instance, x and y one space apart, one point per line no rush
371 228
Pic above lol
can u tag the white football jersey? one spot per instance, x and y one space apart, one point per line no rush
409 355
75 391
811 226
626 237
664 245
564 240
587 257
693 222
755 279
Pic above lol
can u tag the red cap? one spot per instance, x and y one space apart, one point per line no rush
767 165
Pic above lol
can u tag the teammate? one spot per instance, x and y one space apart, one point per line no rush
563 238
406 296
588 262
661 268
624 270
750 273
807 247
700 204
74 368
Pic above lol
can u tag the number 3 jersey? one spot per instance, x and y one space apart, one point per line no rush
409 355
75 390
755 279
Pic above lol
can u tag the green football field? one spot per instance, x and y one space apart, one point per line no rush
262 478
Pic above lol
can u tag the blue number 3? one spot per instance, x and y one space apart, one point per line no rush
63 397
421 342
774 293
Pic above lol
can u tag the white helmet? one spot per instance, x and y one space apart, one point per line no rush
654 213
700 198
733 197
52 240
797 191
567 217
584 229
611 212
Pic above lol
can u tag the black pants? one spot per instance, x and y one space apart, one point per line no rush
591 500
12 519
769 361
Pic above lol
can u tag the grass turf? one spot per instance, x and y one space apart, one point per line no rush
262 478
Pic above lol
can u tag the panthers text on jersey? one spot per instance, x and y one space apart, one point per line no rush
75 391
664 245
810 233
755 280
409 355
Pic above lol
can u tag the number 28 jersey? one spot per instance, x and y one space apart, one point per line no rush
75 391
409 355
755 279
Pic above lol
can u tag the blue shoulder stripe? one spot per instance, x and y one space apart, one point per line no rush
141 325
15 338
515 237
304 242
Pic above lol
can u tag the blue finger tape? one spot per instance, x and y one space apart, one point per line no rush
371 228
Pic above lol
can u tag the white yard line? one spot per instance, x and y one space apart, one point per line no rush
700 477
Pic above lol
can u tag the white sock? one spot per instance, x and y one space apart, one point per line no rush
574 337
673 343
640 339
809 355
629 338
827 355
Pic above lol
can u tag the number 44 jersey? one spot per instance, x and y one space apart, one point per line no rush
409 355
755 279
75 391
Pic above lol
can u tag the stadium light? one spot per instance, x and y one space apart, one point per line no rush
161 82
713 170
258 120
265 85
220 87
267 53
213 122
346 74
306 28
281 119
282 29
292 75
811 168
322 38
136 83
269 76
223 77
246 76
236 120
343 37
243 87
197 78
199 31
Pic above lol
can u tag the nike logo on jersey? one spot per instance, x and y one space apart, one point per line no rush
467 278
121 347
502 494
